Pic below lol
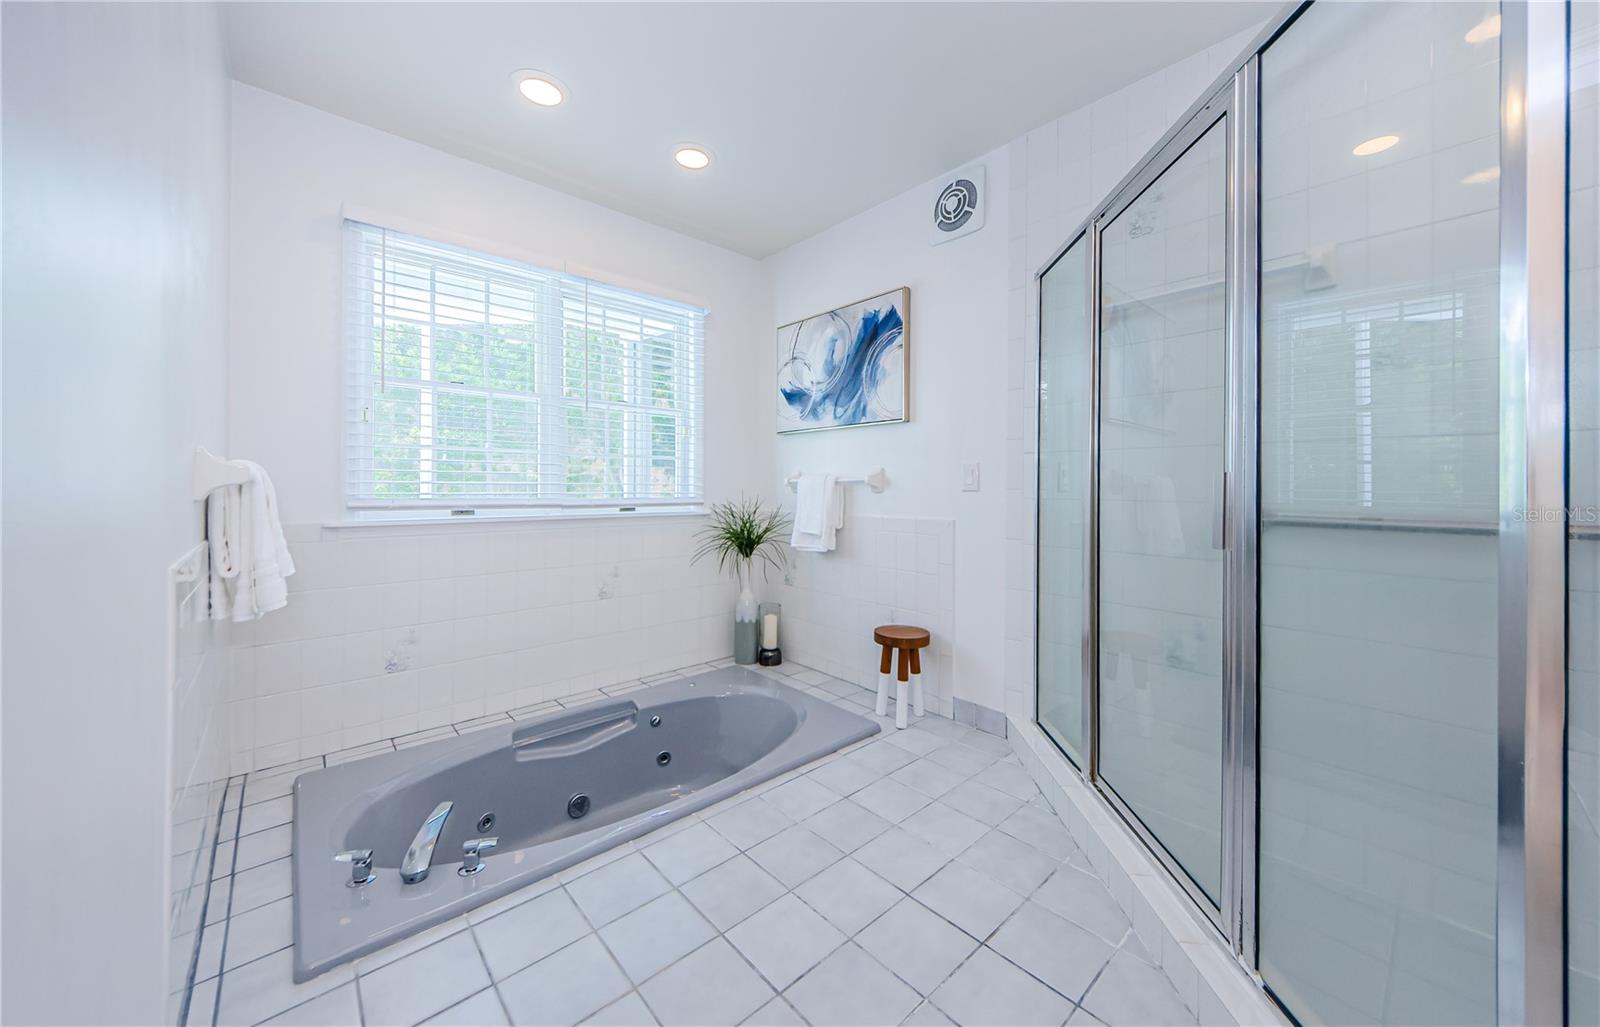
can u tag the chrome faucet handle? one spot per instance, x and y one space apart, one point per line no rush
360 861
472 852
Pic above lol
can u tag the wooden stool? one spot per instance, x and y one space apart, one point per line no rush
909 641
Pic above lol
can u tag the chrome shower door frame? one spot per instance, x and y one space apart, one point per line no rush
1232 99
1086 236
1218 109
1533 406
1530 897
1242 652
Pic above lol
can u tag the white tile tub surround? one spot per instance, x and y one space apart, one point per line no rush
823 896
513 621
393 630
886 570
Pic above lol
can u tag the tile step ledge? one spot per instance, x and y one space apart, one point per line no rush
1211 982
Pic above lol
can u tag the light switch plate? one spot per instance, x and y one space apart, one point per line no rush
969 477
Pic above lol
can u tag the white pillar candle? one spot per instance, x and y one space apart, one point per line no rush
769 631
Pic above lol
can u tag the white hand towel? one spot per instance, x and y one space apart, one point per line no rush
222 532
270 560
833 520
818 513
249 556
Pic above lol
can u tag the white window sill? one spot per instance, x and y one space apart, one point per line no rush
410 520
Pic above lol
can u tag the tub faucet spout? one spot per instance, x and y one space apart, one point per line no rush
420 856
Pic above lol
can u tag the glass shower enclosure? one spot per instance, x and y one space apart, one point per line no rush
1306 423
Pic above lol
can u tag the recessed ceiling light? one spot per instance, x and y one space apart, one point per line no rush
1485 30
539 88
1483 177
1377 144
695 158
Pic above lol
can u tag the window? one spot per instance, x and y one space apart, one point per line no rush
479 382
1382 402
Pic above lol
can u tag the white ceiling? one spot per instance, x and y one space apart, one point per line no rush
814 112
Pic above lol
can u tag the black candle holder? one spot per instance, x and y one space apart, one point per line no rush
769 655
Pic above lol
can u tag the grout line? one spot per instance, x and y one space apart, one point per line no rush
227 921
720 933
595 931
205 906
494 985
1092 982
848 938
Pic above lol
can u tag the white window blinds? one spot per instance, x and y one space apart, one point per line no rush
479 382
1381 402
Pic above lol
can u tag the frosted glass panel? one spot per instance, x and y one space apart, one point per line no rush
1583 552
1379 469
1064 424
1161 451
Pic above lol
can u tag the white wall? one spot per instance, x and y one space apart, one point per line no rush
957 325
884 570
395 630
115 220
295 167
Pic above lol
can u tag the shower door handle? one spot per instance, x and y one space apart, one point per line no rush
1219 513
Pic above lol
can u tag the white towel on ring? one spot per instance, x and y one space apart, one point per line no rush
818 513
249 556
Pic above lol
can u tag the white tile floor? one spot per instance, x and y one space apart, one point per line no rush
915 878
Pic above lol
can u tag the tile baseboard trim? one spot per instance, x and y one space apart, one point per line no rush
991 722
1211 982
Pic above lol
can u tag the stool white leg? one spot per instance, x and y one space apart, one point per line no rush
899 704
883 694
916 693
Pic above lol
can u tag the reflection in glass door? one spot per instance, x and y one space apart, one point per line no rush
1379 500
1162 438
1064 427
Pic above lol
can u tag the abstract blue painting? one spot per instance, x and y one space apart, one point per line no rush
846 367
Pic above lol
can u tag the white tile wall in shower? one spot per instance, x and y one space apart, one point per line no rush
885 570
1059 172
393 630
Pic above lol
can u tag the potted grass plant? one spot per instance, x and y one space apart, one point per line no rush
738 533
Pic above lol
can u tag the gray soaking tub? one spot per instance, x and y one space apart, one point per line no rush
558 789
